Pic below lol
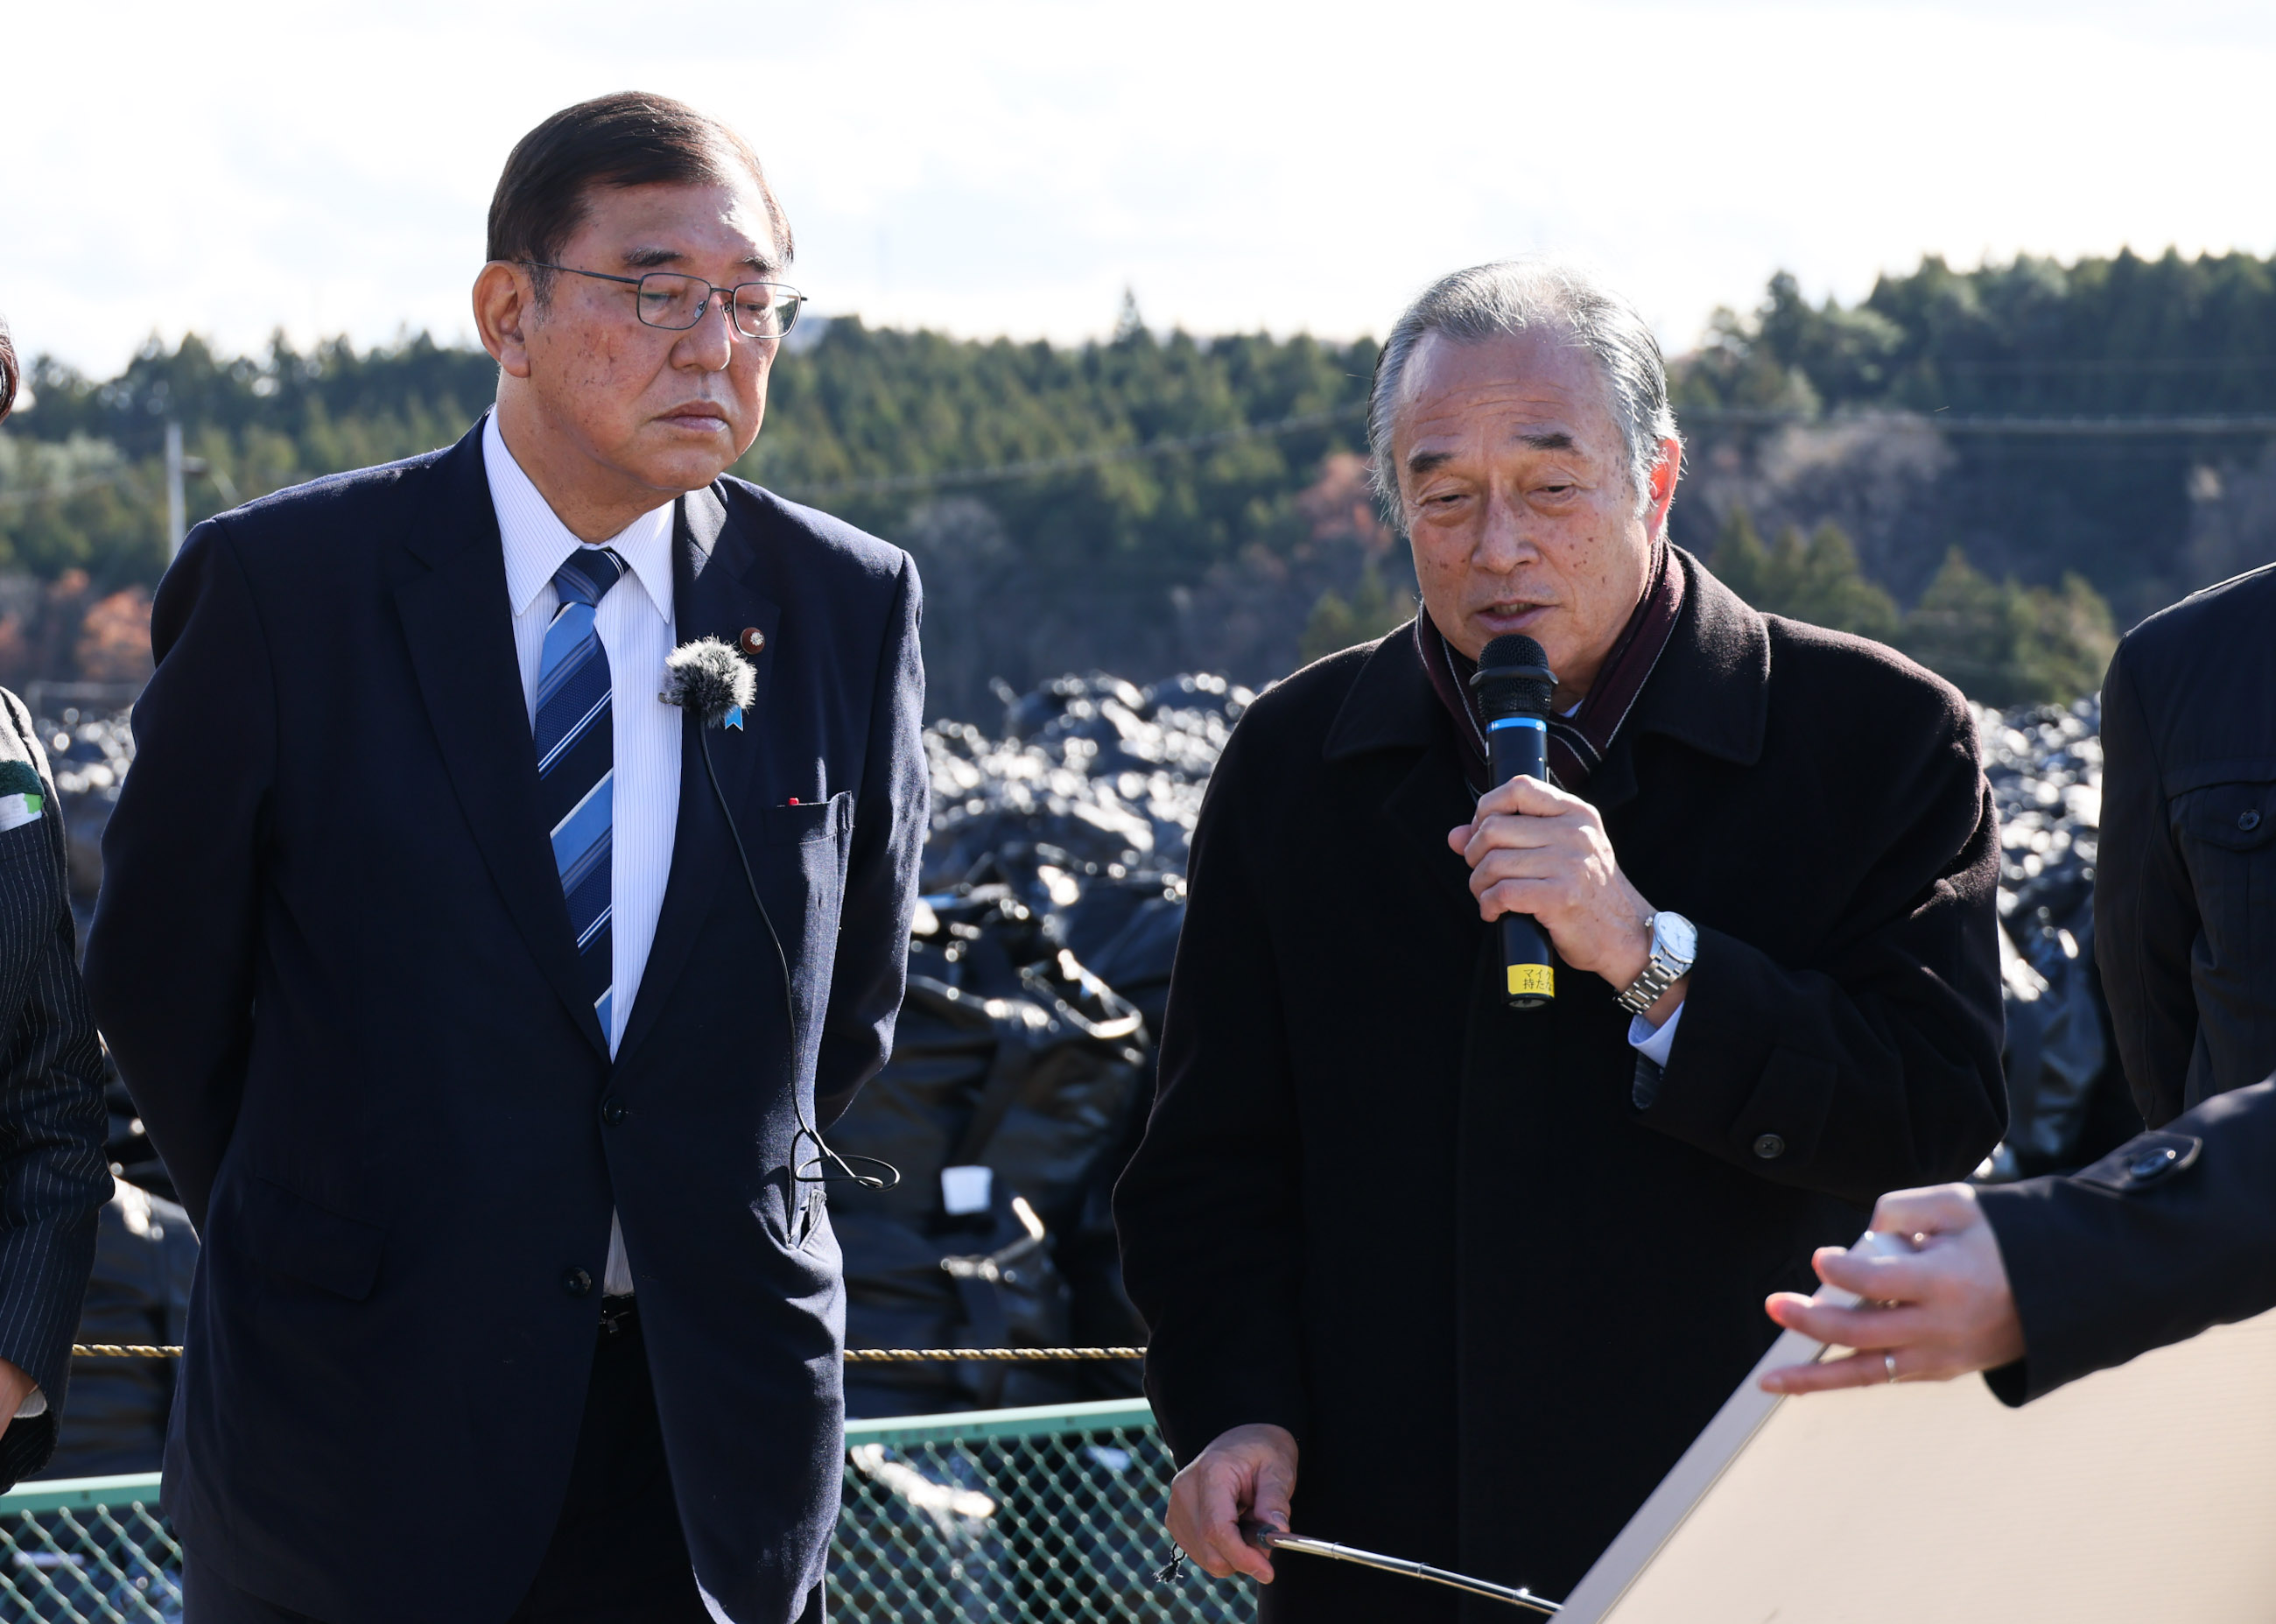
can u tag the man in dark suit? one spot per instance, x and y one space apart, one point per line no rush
2039 1283
2187 865
426 950
1370 1190
53 1177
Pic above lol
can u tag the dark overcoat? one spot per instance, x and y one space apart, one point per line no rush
2171 1232
334 962
1492 1271
2185 893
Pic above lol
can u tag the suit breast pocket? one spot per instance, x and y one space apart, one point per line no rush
799 825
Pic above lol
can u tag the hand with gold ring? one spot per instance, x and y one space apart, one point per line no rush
1945 1305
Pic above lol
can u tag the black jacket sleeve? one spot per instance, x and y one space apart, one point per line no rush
170 959
891 820
1209 1211
1877 1065
2145 912
2168 1235
53 1176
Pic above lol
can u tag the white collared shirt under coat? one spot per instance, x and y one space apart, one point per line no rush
634 621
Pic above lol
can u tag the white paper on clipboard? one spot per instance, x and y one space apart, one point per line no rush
2145 1492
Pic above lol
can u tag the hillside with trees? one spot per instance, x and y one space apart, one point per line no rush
1993 469
2113 419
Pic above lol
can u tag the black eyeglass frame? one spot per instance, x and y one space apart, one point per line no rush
702 310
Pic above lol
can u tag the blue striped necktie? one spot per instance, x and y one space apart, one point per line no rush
577 760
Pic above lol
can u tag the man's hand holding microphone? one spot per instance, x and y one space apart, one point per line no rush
1541 853
1533 849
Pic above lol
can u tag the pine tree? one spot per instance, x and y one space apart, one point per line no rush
1817 580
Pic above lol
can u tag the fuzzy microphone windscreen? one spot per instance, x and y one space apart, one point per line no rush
709 678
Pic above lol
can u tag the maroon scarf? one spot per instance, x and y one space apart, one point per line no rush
1577 743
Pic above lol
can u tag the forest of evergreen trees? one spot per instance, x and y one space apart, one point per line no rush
1994 469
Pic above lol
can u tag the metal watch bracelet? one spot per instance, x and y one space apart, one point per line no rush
1660 972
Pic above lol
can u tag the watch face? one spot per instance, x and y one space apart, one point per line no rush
1678 936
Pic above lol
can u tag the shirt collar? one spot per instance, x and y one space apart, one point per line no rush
537 543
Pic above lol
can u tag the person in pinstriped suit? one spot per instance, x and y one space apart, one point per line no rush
53 1177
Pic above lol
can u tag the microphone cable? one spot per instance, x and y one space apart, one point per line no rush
711 679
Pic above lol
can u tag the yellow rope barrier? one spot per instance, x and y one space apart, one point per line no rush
853 1356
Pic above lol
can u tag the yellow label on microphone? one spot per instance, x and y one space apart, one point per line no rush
1532 980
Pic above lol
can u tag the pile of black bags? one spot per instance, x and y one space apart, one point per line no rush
1040 965
1022 1070
2068 1101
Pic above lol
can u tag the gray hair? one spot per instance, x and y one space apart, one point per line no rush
1514 296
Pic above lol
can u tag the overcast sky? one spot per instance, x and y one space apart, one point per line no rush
1001 166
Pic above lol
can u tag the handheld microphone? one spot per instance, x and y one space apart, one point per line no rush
1514 686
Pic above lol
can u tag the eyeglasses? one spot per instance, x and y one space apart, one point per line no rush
676 302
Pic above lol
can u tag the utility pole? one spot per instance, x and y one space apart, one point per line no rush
178 514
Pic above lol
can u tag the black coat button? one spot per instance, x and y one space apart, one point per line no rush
2248 820
614 1111
1769 1146
2152 1164
576 1282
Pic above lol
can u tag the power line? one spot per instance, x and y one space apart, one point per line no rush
2023 367
1968 423
1040 467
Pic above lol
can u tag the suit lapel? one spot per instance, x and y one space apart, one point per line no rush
457 622
715 566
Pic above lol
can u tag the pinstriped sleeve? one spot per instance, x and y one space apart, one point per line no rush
53 1177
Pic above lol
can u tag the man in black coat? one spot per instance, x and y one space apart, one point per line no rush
1371 1193
2183 920
427 949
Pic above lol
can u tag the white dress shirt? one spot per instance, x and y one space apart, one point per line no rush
635 626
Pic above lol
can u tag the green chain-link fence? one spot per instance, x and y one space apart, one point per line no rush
1036 1515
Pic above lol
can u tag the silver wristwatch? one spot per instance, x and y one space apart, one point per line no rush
1674 945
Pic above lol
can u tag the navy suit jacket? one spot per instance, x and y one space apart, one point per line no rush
334 963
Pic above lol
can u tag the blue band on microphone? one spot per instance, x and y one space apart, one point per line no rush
1499 722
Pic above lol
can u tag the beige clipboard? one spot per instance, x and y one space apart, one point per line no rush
2147 1491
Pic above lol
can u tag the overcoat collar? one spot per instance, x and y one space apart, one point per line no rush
1710 691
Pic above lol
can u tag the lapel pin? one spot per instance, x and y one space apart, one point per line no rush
753 641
